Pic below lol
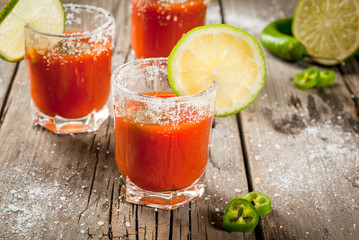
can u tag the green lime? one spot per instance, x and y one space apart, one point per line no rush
329 30
223 53
42 15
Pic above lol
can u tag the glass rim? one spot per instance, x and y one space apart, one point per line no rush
116 73
110 21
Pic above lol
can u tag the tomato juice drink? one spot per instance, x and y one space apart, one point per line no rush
70 73
72 80
161 140
162 156
157 25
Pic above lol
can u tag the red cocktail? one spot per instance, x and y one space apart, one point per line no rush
70 73
157 25
162 156
72 80
161 141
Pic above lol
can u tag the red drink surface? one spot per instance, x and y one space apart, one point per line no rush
70 85
160 157
157 27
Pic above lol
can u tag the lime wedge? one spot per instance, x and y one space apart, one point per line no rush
42 15
329 30
223 53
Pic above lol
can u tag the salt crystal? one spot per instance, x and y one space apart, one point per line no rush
100 223
127 224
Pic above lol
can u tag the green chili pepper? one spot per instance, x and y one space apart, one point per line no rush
240 216
326 77
277 38
260 201
307 78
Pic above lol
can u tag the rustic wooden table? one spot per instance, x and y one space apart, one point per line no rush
299 147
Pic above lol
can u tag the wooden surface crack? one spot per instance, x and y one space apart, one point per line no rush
5 105
211 160
244 152
221 11
136 223
354 98
110 233
92 182
190 220
156 224
171 226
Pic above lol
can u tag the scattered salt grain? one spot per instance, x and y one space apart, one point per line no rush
100 223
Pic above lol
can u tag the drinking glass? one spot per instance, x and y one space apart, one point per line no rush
161 141
157 25
70 73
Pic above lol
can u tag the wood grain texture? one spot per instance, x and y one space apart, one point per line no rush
301 146
7 73
53 187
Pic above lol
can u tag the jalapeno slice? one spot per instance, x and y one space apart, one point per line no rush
307 78
240 216
326 77
260 201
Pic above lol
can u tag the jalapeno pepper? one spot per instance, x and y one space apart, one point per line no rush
277 38
240 216
260 201
326 77
307 78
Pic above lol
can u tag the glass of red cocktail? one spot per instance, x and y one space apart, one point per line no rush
70 73
157 25
161 141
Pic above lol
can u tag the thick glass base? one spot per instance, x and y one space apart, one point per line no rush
59 125
166 200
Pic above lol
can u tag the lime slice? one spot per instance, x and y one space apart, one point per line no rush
328 29
42 15
223 53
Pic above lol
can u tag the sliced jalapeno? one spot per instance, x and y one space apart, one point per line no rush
307 78
240 216
326 77
260 201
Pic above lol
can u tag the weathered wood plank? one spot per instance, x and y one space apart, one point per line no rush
7 70
53 186
301 149
6 76
302 146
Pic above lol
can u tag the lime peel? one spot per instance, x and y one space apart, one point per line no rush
42 15
223 53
